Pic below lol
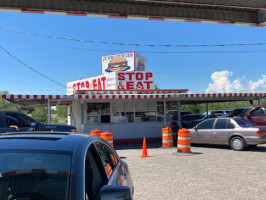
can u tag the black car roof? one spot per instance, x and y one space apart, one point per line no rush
57 141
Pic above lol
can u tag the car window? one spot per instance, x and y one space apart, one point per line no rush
107 156
243 123
206 124
18 120
35 172
221 124
230 125
258 112
95 177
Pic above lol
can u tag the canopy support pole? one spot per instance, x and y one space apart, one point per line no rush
49 112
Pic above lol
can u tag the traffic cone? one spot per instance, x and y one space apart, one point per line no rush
144 149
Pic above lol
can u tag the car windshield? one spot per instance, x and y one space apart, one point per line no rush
243 123
31 175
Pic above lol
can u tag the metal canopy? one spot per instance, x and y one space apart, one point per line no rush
251 12
42 100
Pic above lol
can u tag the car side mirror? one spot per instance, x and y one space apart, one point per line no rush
34 125
111 192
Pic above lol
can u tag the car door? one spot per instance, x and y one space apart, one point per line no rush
95 175
258 116
203 132
220 132
116 171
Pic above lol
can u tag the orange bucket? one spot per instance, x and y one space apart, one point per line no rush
167 137
183 142
96 132
108 137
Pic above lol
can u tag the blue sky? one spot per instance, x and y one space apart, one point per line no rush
66 61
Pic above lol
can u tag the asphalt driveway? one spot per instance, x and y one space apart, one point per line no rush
215 172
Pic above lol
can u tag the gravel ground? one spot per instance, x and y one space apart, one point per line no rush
216 172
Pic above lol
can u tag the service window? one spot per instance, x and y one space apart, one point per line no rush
208 124
221 124
107 156
98 113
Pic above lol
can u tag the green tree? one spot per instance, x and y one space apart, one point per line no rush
5 105
61 111
40 114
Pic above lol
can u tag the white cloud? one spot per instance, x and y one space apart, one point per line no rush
222 83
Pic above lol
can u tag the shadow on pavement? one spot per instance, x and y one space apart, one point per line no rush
254 149
137 146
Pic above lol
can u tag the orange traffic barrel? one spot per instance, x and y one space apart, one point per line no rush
96 132
167 137
183 142
108 137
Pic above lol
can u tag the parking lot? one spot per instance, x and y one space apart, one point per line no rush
215 172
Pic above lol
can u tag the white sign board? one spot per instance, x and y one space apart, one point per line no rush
102 82
134 81
130 61
114 81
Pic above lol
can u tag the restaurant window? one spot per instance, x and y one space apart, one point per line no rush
171 111
145 117
98 113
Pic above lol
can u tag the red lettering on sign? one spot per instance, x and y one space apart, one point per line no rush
130 85
148 84
139 86
139 76
78 84
103 81
94 84
74 87
99 84
121 76
82 84
148 75
130 74
87 84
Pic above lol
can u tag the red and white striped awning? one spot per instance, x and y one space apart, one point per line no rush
132 96
180 19
184 98
152 91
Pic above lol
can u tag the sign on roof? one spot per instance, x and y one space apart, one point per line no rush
130 61
114 81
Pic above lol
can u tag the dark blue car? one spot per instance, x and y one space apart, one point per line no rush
61 166
11 121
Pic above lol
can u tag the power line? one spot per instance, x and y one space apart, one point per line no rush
153 52
125 44
14 57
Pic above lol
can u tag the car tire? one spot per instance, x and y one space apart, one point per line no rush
237 144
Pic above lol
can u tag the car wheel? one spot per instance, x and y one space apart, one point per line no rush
237 144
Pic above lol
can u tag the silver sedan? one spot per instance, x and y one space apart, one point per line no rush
235 132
